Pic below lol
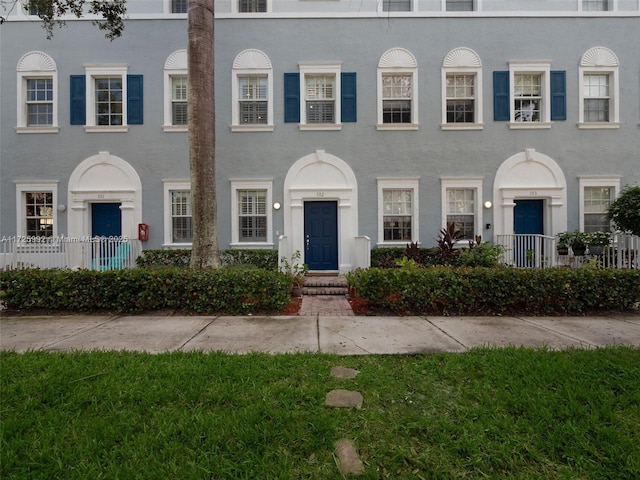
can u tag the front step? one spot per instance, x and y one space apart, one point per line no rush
325 285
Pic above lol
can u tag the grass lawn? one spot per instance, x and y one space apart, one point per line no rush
489 413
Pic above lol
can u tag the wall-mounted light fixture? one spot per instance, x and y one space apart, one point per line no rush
62 208
276 205
488 204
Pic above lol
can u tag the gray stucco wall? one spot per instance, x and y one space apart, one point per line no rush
428 153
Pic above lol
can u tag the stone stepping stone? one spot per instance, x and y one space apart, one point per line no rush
344 398
349 462
343 372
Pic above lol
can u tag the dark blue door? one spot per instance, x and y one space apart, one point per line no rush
106 220
321 235
528 220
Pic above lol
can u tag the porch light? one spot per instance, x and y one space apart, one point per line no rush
488 204
276 205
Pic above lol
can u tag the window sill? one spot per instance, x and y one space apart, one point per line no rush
174 128
250 245
529 125
37 129
106 129
252 128
462 126
398 126
320 126
598 125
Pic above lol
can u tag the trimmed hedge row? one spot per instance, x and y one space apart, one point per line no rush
267 259
224 291
489 291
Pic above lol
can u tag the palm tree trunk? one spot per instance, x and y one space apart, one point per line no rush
202 140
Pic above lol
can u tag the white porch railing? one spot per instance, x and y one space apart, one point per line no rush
92 253
539 251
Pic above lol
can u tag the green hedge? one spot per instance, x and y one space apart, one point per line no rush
267 259
490 291
229 291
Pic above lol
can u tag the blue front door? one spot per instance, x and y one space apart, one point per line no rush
106 220
321 235
527 220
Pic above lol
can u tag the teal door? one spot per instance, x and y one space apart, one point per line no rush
321 235
528 220
106 220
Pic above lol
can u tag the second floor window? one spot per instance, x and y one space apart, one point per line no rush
253 99
397 92
39 101
527 97
108 106
596 98
320 98
461 98
179 100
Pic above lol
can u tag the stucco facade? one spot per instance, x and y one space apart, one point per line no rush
392 165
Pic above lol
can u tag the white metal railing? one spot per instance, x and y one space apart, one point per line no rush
539 251
522 250
92 253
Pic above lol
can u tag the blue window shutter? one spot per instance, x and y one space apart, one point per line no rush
348 102
501 103
292 97
134 100
78 104
558 95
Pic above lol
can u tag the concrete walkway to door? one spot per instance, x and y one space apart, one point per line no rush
326 305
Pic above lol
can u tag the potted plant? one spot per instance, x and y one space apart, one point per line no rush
562 246
578 243
297 270
597 241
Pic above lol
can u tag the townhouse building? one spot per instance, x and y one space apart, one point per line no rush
341 125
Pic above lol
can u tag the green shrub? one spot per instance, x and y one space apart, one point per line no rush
230 291
267 259
489 291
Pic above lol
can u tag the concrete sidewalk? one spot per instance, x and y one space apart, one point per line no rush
341 335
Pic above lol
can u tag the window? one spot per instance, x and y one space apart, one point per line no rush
179 6
599 92
176 92
459 5
529 95
396 5
106 99
37 94
178 217
251 92
595 5
397 95
252 222
462 87
397 210
596 195
179 100
37 212
251 213
461 205
250 6
328 96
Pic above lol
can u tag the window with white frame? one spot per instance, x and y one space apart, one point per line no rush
599 92
595 5
397 93
459 5
178 228
462 90
461 205
596 195
397 210
251 213
530 101
106 106
252 91
37 209
37 94
176 92
397 5
320 99
252 6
